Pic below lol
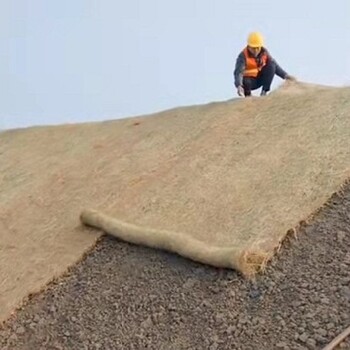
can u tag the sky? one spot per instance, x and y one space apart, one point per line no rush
72 61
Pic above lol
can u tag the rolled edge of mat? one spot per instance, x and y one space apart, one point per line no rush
176 242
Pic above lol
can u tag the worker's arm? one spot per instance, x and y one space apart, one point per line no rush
279 71
239 70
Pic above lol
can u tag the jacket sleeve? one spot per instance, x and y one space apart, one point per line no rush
279 71
239 69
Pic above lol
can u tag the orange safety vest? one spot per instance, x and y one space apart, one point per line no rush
252 65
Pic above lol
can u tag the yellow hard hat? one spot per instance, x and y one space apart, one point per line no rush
255 39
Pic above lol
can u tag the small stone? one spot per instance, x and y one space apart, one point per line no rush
232 293
220 318
255 321
311 343
206 303
147 323
303 337
325 317
262 322
344 316
214 346
242 321
315 324
296 303
74 319
20 330
214 289
347 259
13 337
346 292
345 281
153 297
249 333
331 334
190 283
237 333
282 345
330 325
156 317
254 293
172 307
53 309
215 339
314 299
230 330
67 334
322 332
325 300
36 318
341 236
320 339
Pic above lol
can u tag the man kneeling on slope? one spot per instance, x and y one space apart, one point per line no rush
256 68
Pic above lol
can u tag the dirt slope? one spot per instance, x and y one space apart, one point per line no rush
180 170
124 296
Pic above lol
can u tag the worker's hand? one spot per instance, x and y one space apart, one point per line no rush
290 78
240 91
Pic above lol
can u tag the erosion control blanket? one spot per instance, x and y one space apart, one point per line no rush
220 183
248 173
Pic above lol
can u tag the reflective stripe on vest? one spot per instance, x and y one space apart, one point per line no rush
252 65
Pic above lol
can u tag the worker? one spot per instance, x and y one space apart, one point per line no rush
256 68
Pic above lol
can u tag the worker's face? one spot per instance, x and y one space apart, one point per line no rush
254 50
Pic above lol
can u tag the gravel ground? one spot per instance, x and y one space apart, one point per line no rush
127 297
